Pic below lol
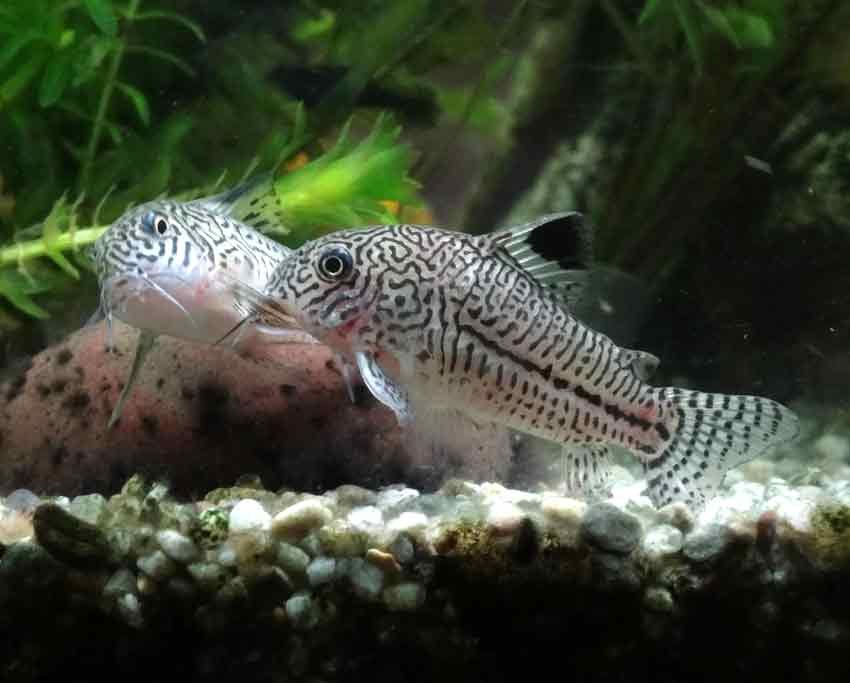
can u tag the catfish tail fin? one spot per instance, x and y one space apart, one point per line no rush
709 435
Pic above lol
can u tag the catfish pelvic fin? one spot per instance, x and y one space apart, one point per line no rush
383 388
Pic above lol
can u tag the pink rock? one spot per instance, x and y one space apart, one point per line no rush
201 416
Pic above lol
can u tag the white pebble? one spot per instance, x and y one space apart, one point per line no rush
677 514
504 517
409 523
367 519
562 510
157 565
796 512
321 571
226 556
404 597
177 546
662 540
630 497
299 519
396 497
248 515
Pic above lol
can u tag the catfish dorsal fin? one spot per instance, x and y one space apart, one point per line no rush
554 250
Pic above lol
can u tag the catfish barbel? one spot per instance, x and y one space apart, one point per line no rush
437 319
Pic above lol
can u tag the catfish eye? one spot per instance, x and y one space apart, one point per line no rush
154 224
335 263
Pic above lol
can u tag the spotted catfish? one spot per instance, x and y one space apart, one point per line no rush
159 267
483 325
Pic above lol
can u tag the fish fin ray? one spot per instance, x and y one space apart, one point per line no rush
587 469
642 363
709 435
553 250
262 307
98 315
144 344
345 370
383 388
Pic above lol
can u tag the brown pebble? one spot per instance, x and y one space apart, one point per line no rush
383 561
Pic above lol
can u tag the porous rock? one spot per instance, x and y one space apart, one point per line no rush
202 415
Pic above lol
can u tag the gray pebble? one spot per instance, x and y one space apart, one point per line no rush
89 508
321 571
208 575
611 529
404 597
658 599
292 558
366 579
22 500
354 496
130 610
300 610
706 543
121 582
402 549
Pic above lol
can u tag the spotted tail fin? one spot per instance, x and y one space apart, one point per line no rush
709 435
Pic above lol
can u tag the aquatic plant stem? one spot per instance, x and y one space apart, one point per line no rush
105 99
630 38
32 249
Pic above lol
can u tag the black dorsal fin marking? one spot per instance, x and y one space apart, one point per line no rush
555 250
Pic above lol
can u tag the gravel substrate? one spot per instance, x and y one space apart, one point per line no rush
472 582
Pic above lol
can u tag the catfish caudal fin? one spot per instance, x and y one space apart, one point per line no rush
709 435
555 250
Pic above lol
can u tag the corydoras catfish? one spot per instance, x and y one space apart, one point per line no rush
159 267
484 325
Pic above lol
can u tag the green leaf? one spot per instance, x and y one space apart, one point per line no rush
650 9
58 216
102 15
751 29
14 46
720 21
90 57
313 28
164 56
175 18
12 87
139 101
56 78
13 288
685 13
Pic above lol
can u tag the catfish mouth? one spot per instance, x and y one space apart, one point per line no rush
145 299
